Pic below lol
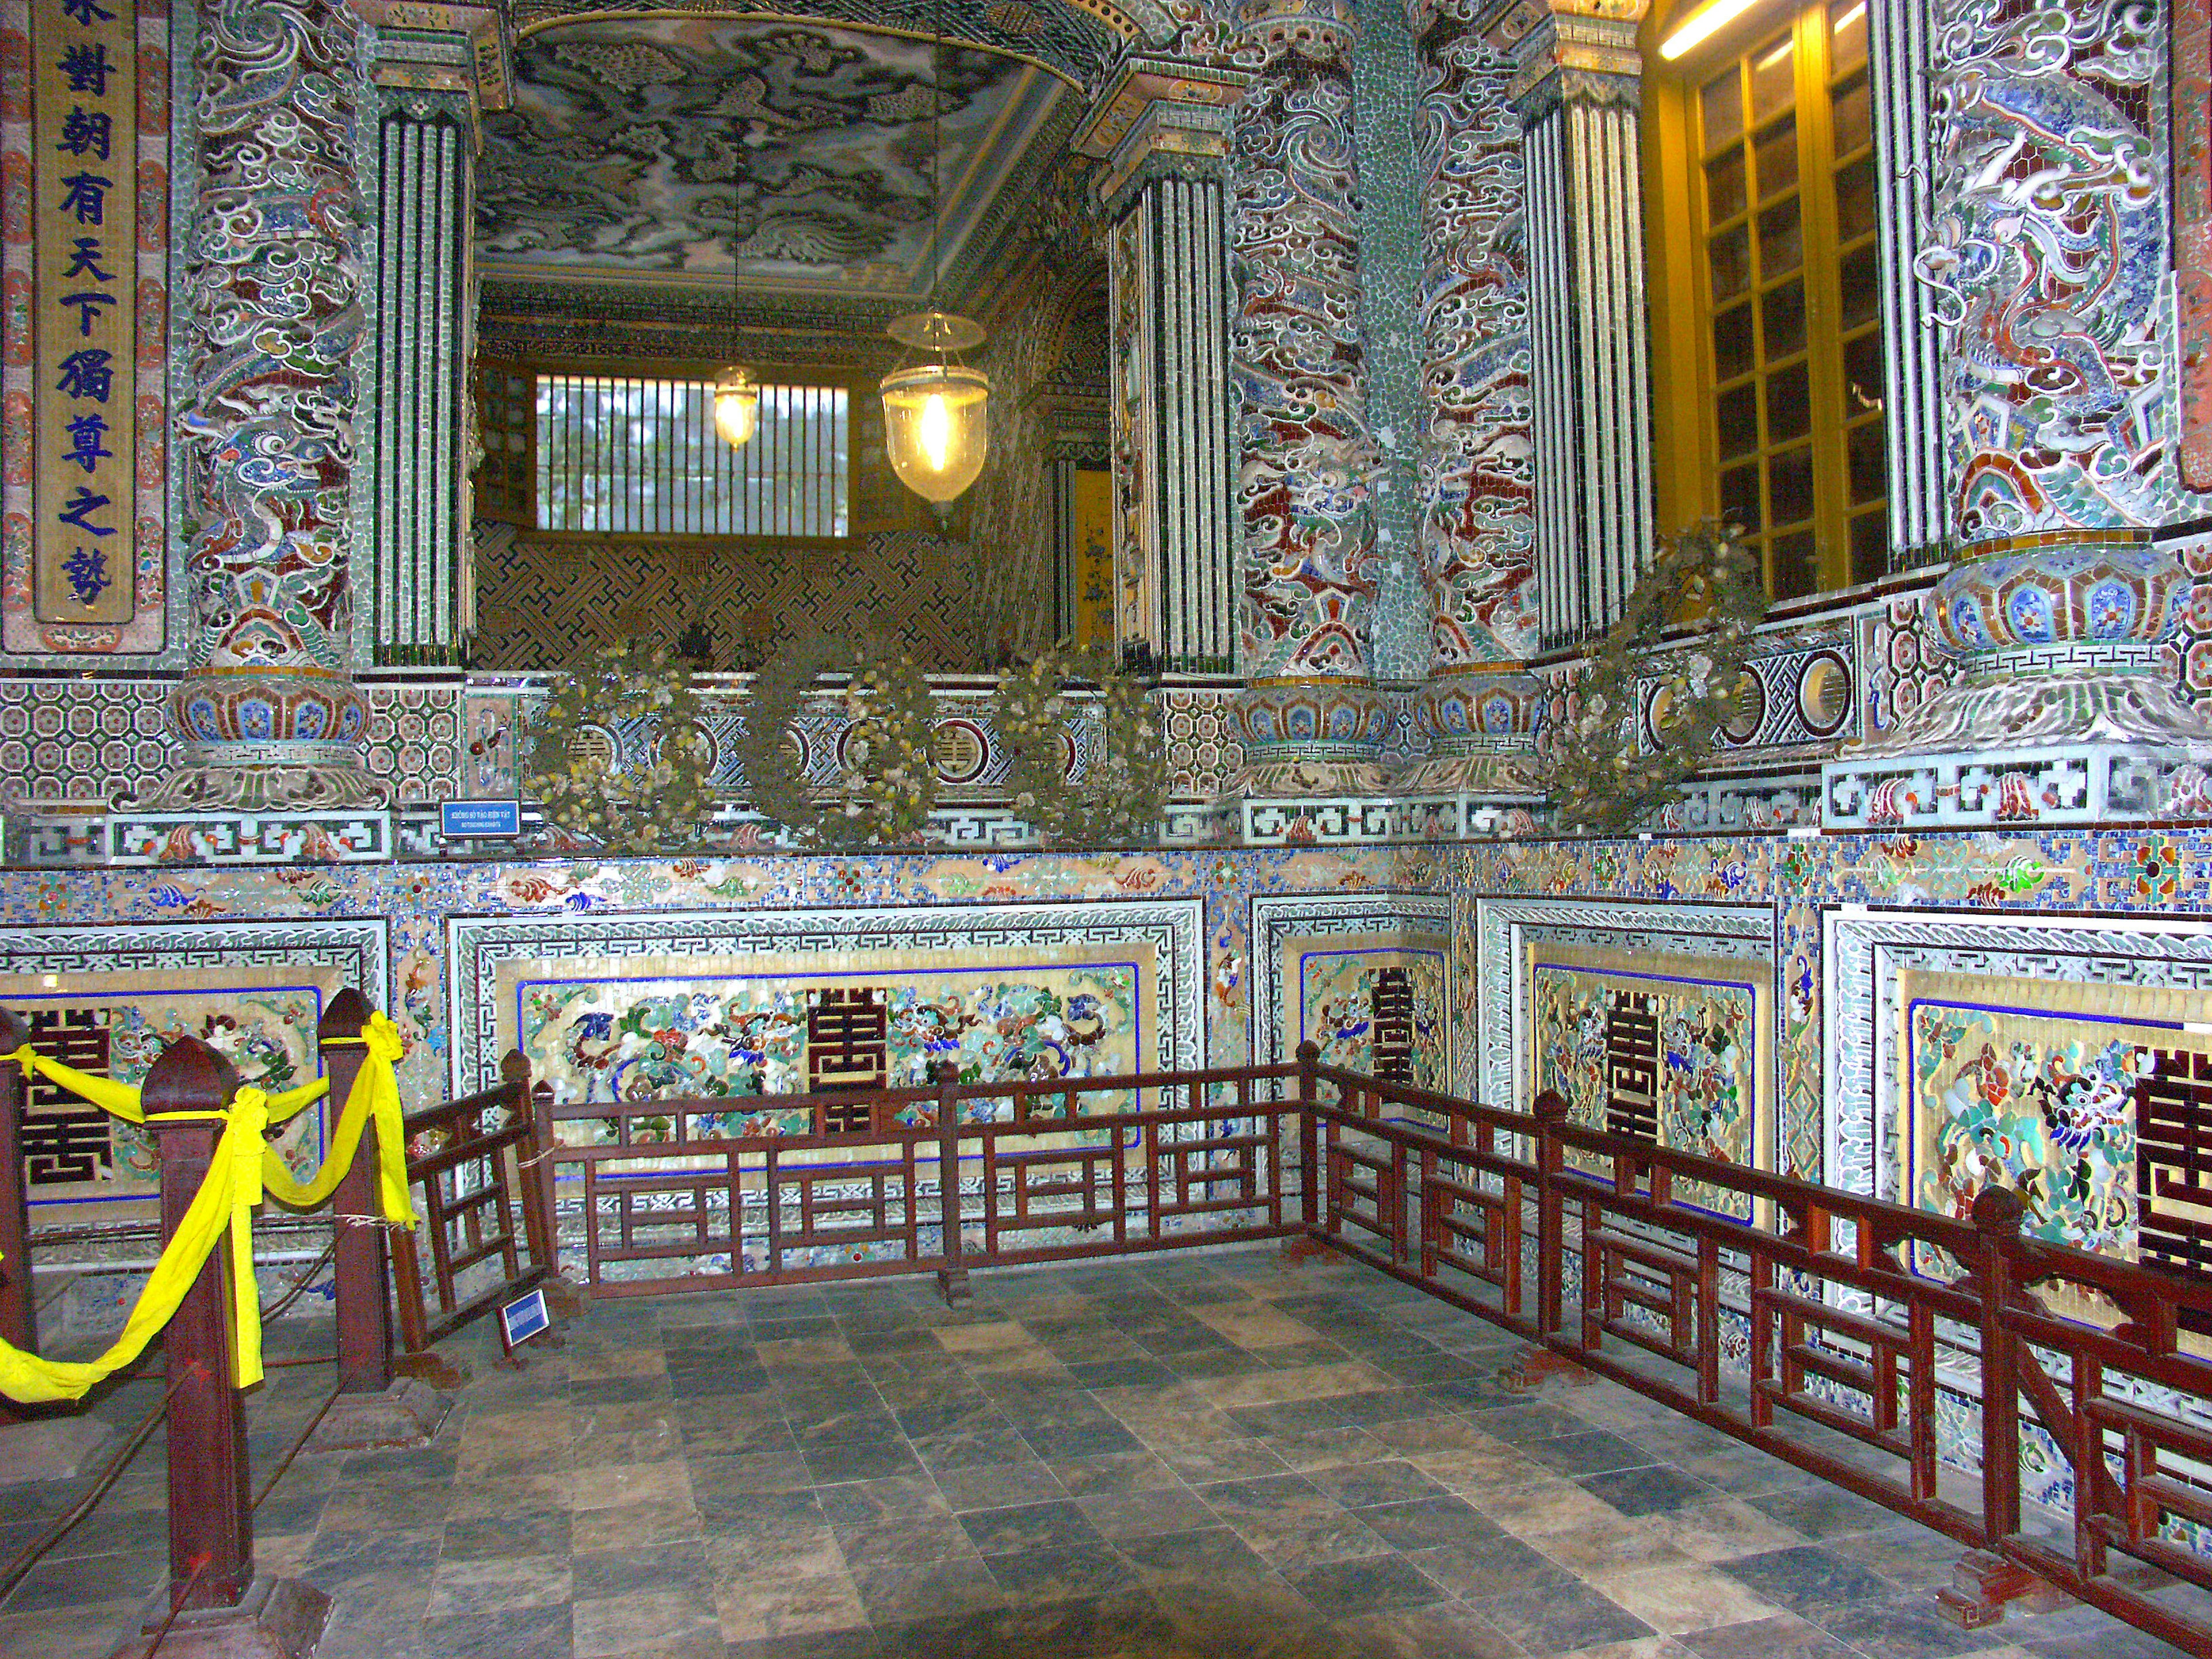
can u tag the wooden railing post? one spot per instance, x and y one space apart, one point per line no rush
220 1607
1997 1214
1309 1136
18 1317
374 1407
358 1269
1551 1110
952 1276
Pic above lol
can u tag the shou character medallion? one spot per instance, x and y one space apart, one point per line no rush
84 82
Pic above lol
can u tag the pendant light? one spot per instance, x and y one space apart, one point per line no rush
737 394
936 428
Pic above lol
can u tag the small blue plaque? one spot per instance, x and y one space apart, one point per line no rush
460 818
522 1319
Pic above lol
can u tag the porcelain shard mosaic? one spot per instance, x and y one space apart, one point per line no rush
734 1035
1380 1010
1669 1053
2093 1104
74 1153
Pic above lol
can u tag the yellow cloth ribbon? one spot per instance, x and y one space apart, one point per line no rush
243 1168
375 1095
122 1100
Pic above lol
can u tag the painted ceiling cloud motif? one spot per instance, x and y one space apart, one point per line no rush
651 149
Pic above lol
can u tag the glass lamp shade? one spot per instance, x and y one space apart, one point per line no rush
737 405
935 427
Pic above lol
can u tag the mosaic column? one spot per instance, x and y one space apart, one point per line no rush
1578 89
2050 244
1477 493
268 710
418 424
1162 129
1311 718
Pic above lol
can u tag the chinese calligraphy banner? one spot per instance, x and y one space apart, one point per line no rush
84 55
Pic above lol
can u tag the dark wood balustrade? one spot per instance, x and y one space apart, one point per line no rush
1820 1326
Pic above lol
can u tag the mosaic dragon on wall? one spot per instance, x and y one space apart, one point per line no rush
273 294
654 145
1478 528
2046 265
1299 360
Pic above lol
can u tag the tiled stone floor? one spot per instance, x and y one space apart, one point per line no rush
1218 1455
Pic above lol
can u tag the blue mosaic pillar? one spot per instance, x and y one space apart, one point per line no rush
1578 89
2058 422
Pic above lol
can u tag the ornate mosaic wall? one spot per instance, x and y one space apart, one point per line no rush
538 598
2057 407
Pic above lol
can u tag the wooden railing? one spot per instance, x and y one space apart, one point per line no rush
1817 1325
1822 1327
864 1183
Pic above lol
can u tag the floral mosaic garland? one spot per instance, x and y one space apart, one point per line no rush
887 780
574 774
1597 770
1122 792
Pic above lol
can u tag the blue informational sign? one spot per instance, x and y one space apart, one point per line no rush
457 818
521 1320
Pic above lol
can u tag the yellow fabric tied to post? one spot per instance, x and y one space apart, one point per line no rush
243 1168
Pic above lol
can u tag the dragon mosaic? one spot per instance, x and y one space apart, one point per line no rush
273 295
1299 360
2046 263
1477 538
662 145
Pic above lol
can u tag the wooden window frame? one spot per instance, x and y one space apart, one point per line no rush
858 384
1687 466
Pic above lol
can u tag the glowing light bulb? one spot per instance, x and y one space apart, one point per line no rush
936 432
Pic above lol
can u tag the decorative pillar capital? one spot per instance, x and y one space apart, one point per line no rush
462 51
1583 50
1157 117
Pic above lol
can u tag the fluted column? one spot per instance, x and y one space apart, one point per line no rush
1161 128
267 707
1311 718
2044 267
1477 490
1577 87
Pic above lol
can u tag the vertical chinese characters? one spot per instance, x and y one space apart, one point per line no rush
84 437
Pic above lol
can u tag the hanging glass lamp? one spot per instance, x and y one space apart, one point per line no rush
737 405
937 429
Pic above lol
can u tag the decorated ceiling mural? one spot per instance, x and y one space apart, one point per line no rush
653 149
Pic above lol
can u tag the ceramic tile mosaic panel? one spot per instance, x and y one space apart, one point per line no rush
2091 1101
615 1006
1671 1049
108 1000
732 1031
1376 1005
75 1155
1320 957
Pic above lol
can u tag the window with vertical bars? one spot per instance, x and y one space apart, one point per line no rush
639 455
1787 293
